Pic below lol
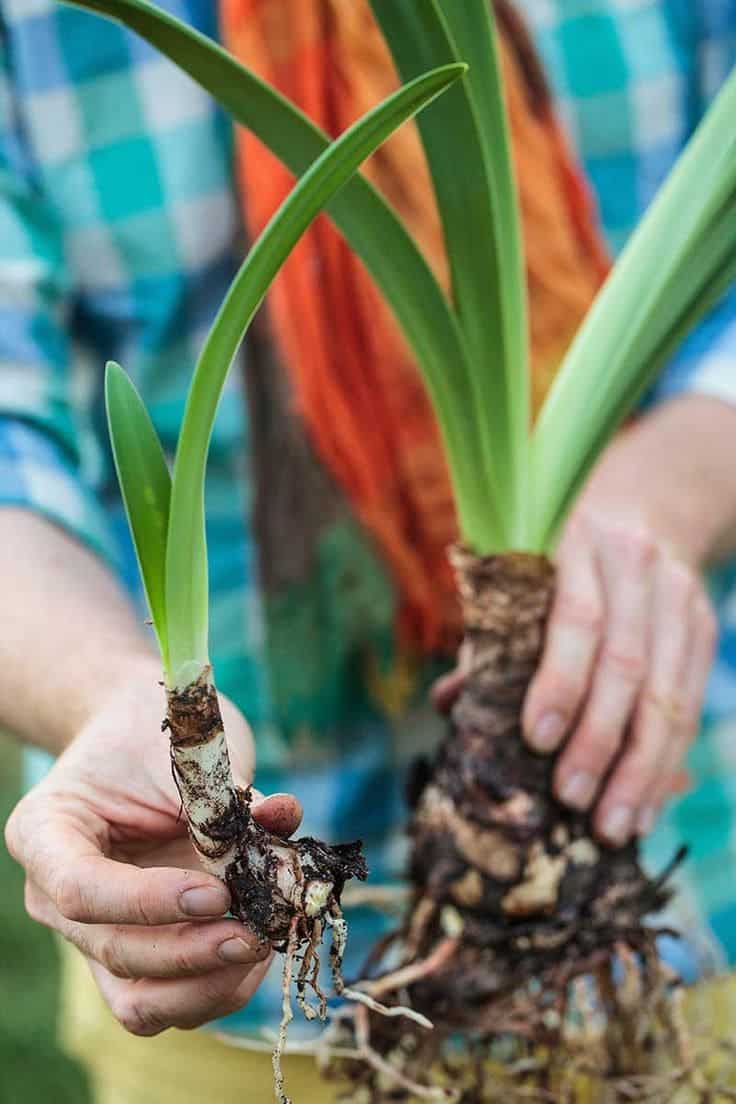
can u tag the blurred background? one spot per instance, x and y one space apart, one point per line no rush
32 1069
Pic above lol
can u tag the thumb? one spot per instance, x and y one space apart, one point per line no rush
279 813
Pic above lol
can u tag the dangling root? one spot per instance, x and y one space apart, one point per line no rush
339 929
407 975
625 1039
389 1071
524 932
287 1015
311 958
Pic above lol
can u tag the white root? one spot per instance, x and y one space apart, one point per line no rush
311 959
287 1014
366 1001
336 921
314 979
307 1010
420 921
415 971
394 1075
384 898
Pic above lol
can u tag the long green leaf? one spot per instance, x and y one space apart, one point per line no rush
186 575
679 251
367 221
472 26
146 488
466 140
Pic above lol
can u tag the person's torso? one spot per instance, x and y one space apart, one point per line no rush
135 161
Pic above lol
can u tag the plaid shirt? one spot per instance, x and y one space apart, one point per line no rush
118 235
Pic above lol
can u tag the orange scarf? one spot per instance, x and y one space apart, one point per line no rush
352 375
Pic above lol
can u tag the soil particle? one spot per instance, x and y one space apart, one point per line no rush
194 713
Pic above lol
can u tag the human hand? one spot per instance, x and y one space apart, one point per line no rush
110 867
629 646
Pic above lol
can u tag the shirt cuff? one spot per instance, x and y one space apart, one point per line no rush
37 474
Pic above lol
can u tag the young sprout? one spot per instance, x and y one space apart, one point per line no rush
284 891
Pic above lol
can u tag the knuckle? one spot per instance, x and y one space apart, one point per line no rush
14 834
214 994
69 899
143 901
183 957
109 954
11 835
637 547
144 913
32 902
674 707
585 521
596 747
137 1018
584 611
634 775
681 585
627 663
560 688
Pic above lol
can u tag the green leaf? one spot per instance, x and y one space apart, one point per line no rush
675 264
146 488
367 221
186 574
466 139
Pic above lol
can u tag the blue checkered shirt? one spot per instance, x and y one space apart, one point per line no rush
118 236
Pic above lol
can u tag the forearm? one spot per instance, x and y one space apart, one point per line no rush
674 470
69 633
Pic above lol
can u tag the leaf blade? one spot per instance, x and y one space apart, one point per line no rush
680 231
481 226
145 484
186 575
368 223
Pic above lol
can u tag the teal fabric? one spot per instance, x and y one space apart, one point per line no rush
118 236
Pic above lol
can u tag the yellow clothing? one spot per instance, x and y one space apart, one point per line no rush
177 1067
196 1067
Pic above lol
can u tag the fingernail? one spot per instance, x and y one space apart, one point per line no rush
579 790
236 950
647 820
205 901
259 798
548 732
617 824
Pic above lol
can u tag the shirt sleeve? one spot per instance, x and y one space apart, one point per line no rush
41 430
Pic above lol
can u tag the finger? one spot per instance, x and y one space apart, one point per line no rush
626 562
445 690
279 813
62 855
572 640
694 683
150 1006
654 743
171 951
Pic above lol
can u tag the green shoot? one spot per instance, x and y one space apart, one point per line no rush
181 621
146 485
677 264
367 221
466 139
513 487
